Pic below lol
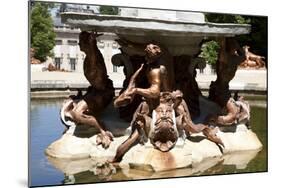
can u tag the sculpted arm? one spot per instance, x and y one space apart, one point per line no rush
154 90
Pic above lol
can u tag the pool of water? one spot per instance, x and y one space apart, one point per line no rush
45 128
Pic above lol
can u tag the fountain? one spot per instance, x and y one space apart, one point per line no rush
153 119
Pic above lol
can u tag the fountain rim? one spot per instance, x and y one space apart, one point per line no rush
140 26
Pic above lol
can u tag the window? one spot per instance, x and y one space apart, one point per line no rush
100 44
58 42
114 45
57 63
73 64
114 68
72 42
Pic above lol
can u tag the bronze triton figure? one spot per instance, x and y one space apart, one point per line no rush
99 94
163 116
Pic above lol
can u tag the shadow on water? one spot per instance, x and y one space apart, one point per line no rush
46 127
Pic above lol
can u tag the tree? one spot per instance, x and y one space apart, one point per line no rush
257 39
108 10
209 51
42 31
226 18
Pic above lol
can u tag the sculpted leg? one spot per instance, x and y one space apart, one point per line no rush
80 116
141 121
125 146
190 127
140 128
232 113
237 112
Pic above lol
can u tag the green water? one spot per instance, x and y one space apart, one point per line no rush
259 163
46 127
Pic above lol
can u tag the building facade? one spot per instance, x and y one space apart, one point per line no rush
67 54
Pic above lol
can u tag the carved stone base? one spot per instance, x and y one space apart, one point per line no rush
191 151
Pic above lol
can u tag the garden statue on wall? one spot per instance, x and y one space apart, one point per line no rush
33 60
252 60
163 116
87 108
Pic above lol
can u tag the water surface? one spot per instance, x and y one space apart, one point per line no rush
45 128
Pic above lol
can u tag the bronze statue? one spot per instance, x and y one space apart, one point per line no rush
252 60
235 112
33 60
180 70
163 125
99 94
230 56
163 116
185 76
159 72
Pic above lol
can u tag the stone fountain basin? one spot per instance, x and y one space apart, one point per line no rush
186 153
179 36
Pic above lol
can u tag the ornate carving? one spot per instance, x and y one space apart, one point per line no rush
163 125
163 116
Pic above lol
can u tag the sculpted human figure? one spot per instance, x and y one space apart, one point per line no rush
159 76
161 118
163 125
99 94
184 121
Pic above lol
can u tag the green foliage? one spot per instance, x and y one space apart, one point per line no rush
209 51
227 18
108 10
257 39
42 31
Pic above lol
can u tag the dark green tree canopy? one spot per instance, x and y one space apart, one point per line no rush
110 10
42 31
257 39
209 51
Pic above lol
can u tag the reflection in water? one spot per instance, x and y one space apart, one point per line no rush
89 170
46 128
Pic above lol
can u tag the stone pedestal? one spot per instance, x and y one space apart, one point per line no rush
186 153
